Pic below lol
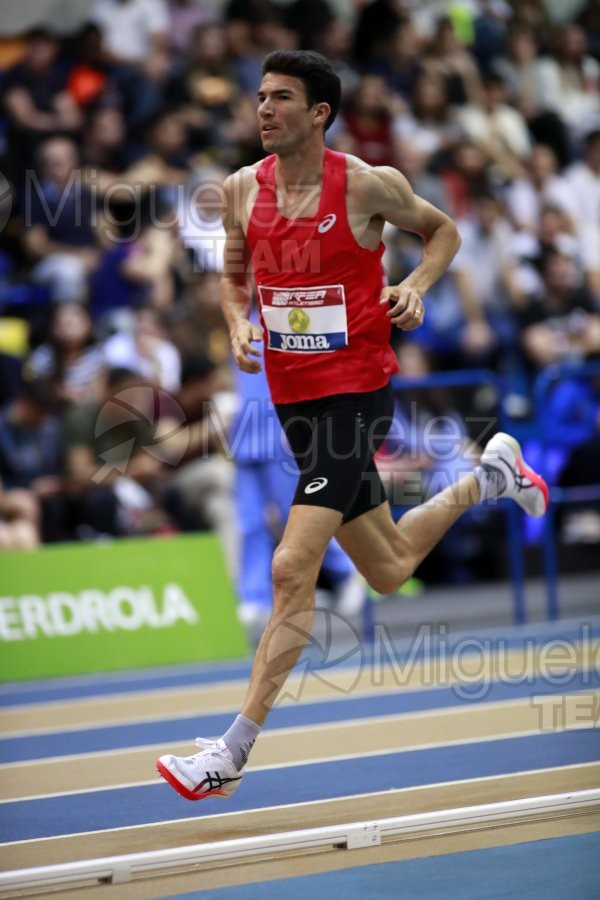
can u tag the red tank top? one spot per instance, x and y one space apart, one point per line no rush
319 290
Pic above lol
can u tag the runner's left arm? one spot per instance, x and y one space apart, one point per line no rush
391 197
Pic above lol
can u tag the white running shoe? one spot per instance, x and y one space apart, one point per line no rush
502 454
210 773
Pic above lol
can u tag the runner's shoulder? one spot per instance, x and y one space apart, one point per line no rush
240 188
369 183
243 178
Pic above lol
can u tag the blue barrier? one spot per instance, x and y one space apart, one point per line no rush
543 384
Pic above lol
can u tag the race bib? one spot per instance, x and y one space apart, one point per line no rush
305 320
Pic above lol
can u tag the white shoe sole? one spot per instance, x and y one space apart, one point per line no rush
168 771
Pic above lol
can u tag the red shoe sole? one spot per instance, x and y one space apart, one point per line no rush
535 479
181 788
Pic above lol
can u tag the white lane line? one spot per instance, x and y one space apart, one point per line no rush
283 806
569 626
578 641
395 685
447 710
316 760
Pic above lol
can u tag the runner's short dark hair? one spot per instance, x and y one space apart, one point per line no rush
321 81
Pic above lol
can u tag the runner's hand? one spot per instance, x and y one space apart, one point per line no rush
241 346
407 311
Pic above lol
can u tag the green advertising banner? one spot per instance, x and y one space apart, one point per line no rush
81 608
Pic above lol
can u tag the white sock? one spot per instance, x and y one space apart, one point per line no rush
239 738
492 482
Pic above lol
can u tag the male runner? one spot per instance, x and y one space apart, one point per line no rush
308 222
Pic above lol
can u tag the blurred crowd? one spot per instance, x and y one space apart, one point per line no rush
118 402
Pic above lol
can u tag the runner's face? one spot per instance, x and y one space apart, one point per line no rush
284 117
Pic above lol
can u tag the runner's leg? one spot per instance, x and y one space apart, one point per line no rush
296 565
387 553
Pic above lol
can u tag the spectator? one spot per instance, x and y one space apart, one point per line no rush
307 18
399 60
255 12
90 77
521 72
197 324
246 62
146 352
69 359
205 88
413 163
583 192
430 126
163 161
553 235
589 20
447 58
133 31
465 176
118 287
135 43
36 100
485 274
10 377
367 122
519 69
60 217
570 81
30 475
561 325
184 17
376 21
104 147
136 269
334 41
539 185
19 521
497 128
109 462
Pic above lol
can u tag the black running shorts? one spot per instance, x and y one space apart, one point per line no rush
334 440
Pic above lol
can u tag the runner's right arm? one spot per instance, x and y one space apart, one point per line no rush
236 297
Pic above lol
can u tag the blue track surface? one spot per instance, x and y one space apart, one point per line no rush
163 731
554 869
102 809
104 684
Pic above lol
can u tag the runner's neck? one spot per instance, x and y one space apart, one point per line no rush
300 170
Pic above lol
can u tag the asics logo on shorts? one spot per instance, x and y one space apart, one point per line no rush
315 485
327 223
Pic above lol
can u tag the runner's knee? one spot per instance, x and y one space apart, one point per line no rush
292 576
387 581
388 577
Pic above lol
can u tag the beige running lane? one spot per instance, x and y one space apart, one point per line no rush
291 746
465 669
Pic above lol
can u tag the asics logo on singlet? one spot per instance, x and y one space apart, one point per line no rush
316 485
327 223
